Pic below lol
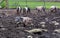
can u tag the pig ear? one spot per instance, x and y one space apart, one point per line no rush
21 18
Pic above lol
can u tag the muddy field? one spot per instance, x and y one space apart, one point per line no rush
9 28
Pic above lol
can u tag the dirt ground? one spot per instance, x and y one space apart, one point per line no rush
12 30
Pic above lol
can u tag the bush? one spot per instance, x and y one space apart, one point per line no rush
3 4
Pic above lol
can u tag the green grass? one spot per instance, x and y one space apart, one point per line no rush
22 3
33 4
30 3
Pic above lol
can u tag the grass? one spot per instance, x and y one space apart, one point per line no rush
32 4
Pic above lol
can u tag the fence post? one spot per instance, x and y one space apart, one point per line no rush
44 3
6 4
26 3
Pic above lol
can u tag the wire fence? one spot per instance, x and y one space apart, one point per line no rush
33 3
